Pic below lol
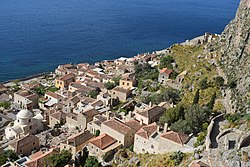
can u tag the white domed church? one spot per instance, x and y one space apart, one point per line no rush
25 123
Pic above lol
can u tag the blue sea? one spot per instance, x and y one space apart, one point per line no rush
37 35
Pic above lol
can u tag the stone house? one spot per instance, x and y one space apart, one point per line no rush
121 69
127 81
26 99
3 89
164 74
63 82
150 139
30 86
76 143
71 103
173 84
25 145
103 144
120 93
146 139
105 98
119 130
52 98
95 124
38 159
58 117
171 141
150 114
80 120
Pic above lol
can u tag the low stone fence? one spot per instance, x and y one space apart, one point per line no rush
209 131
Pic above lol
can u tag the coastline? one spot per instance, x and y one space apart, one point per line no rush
186 42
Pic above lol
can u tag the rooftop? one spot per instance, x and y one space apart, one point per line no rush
176 137
117 126
103 141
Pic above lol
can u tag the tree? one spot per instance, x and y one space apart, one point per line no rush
60 159
212 101
5 104
116 80
8 155
196 116
84 156
172 115
181 126
177 157
165 62
94 93
109 85
196 97
97 133
232 84
219 81
203 84
91 162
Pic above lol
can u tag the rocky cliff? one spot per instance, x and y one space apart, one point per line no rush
234 47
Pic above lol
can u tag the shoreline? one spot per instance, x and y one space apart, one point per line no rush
186 42
27 78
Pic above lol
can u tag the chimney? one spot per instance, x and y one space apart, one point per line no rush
141 121
107 115
165 128
150 104
158 129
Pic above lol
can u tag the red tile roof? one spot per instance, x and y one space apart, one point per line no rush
148 130
134 124
176 137
54 95
117 126
103 141
67 77
166 71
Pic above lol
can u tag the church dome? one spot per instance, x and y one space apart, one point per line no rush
24 114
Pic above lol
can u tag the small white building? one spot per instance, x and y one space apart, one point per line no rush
25 123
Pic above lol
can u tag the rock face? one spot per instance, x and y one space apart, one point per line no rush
235 55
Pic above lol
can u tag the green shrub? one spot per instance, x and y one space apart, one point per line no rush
177 157
5 104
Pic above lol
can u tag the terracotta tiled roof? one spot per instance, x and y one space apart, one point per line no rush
18 143
74 99
58 115
54 95
166 71
103 141
148 130
67 77
79 138
134 124
117 126
119 89
153 112
176 137
90 113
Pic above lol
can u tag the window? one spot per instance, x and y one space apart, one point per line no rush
18 120
152 146
30 127
34 143
123 83
29 120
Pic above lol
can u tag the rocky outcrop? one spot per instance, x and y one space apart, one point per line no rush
234 45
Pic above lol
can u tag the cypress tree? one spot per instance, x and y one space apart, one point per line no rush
196 97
